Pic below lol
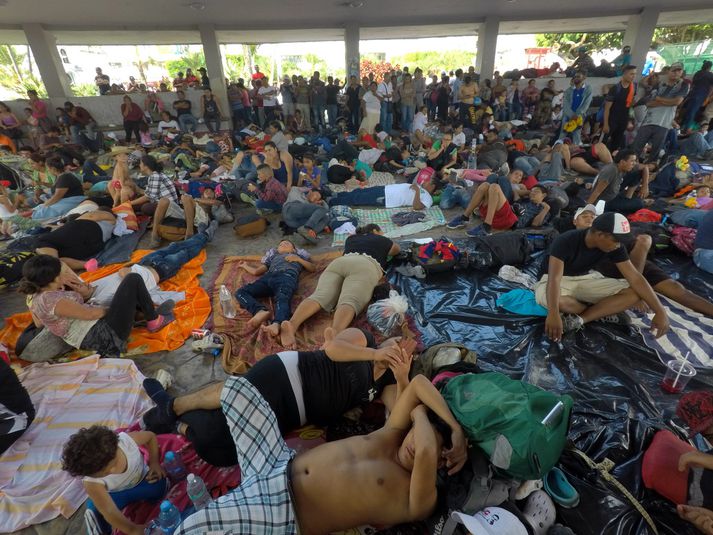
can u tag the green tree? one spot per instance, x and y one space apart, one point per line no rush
16 74
189 60
234 66
683 34
143 64
84 90
566 44
436 61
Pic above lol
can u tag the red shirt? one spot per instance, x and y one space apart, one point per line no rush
39 109
274 191
135 113
258 76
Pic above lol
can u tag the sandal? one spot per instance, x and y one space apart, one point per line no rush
559 489
540 512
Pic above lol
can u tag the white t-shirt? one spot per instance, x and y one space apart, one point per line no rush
419 122
373 104
459 139
135 467
397 195
383 89
167 125
4 214
106 287
268 100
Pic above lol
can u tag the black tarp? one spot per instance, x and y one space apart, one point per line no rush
612 375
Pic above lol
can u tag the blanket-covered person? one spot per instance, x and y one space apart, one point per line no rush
279 273
358 373
114 474
582 295
347 284
385 478
306 211
64 312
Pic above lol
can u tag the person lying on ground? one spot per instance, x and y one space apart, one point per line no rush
493 154
609 186
385 478
347 284
65 313
390 196
535 212
588 161
306 211
114 474
347 372
79 239
555 164
279 273
582 295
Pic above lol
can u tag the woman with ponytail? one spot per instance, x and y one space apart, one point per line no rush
57 297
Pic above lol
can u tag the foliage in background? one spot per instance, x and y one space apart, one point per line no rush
17 73
434 62
189 60
378 68
84 90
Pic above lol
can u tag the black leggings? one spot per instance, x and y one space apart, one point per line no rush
130 296
132 127
78 239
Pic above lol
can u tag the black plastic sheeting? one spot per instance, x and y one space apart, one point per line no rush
608 370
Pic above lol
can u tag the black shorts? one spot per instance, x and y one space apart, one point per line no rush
654 274
588 157
77 239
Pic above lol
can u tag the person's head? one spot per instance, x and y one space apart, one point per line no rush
626 49
407 78
393 79
298 114
127 100
491 136
579 77
26 152
609 230
91 452
308 160
257 68
676 72
189 72
706 65
68 106
202 71
274 127
467 79
286 247
531 82
459 73
55 165
31 94
314 196
207 93
584 217
165 116
551 84
703 191
180 95
371 228
271 149
488 82
98 70
625 160
179 75
37 161
162 86
264 172
516 176
315 75
629 73
447 139
407 451
458 128
149 165
40 273
538 194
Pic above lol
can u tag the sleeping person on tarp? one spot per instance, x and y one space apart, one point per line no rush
574 294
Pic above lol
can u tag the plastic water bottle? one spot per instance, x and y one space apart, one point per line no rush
226 303
169 518
173 464
197 492
472 158
481 139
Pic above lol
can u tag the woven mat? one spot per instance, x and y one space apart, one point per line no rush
382 217
376 179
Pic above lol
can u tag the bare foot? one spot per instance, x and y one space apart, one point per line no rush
329 335
698 516
189 232
259 318
287 335
273 329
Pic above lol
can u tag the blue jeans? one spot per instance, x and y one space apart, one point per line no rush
406 118
312 216
695 101
187 122
57 209
703 258
695 145
246 169
144 491
279 284
386 116
169 260
332 110
375 196
527 164
452 197
688 217
271 206
318 115
92 173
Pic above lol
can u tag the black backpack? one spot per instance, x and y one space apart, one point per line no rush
507 248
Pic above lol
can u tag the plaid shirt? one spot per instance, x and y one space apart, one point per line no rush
160 186
273 190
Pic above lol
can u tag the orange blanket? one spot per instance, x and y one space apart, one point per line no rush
190 313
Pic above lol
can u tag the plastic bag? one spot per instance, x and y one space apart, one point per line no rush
387 315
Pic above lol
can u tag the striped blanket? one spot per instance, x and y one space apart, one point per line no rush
67 397
382 217
376 179
690 332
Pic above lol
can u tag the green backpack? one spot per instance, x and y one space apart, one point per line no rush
504 418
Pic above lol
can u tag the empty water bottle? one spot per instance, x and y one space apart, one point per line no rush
173 464
169 518
197 492
226 303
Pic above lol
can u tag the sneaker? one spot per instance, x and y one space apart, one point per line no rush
164 377
263 212
248 199
504 169
622 318
308 234
160 419
481 230
457 222
571 323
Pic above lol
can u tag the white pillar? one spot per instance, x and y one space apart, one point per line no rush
352 57
44 50
214 66
487 44
639 34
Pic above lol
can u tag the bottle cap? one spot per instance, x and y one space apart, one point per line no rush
170 456
165 505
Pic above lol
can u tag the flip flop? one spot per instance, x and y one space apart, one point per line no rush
540 512
561 491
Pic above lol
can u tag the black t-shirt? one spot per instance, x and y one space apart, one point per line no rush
71 182
579 259
332 91
182 111
353 97
617 96
375 246
16 409
331 388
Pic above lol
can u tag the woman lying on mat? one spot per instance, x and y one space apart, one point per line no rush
347 283
349 371
57 301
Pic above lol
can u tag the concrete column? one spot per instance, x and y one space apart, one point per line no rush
44 50
214 66
352 57
639 34
487 44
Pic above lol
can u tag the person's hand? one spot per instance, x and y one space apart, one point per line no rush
554 327
644 192
408 346
155 473
402 368
391 355
642 307
546 207
244 265
659 324
458 454
692 459
293 258
700 517
605 129
252 187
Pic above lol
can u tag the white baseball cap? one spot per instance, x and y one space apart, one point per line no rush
588 208
491 521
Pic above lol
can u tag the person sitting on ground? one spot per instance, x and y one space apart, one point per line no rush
587 161
555 164
269 194
277 136
443 155
359 372
280 162
390 196
122 187
79 239
50 140
609 186
535 213
310 175
347 284
114 474
575 295
65 314
306 211
67 193
493 154
279 273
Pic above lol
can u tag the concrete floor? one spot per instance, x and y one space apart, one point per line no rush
190 370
